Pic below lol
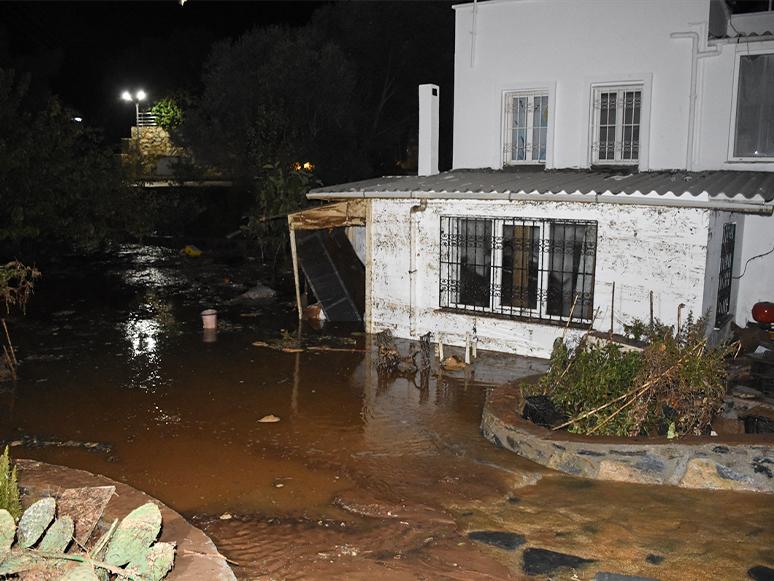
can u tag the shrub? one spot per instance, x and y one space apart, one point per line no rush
676 383
9 487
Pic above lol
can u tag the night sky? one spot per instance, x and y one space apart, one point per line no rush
88 53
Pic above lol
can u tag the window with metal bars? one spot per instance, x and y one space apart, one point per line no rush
526 127
519 267
723 308
616 125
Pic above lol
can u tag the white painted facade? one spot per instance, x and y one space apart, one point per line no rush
637 251
565 50
569 48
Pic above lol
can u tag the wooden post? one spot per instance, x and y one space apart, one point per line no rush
612 311
440 346
294 255
651 309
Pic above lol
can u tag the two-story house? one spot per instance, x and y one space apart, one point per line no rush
612 161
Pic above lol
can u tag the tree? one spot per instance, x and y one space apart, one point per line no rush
58 184
273 96
394 47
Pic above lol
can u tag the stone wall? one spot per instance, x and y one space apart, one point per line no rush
739 462
155 141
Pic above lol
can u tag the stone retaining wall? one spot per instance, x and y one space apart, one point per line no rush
739 462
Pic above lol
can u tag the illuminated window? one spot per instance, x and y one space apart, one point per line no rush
526 127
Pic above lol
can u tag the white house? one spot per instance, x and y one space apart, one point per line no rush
613 160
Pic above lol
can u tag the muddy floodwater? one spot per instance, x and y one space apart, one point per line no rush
363 476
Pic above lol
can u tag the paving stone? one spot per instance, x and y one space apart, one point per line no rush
761 573
501 540
617 577
545 562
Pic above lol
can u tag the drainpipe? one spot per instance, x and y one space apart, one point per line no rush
413 233
696 54
473 35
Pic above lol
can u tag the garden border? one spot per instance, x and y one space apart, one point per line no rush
738 462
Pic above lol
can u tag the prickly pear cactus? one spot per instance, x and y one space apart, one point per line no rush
7 532
131 543
136 533
58 536
153 563
35 521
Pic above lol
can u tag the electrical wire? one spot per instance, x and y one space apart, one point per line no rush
750 259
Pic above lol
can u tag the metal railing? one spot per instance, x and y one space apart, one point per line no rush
146 120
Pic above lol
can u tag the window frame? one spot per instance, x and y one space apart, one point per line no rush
529 128
481 286
619 125
744 50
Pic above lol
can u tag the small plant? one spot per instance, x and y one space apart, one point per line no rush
16 283
9 487
675 384
127 551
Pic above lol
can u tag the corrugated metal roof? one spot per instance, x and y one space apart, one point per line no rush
728 187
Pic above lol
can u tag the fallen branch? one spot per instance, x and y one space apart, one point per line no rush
643 388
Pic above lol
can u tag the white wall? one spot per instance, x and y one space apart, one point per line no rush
531 43
755 272
565 47
635 240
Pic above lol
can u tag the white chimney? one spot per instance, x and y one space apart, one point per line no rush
428 130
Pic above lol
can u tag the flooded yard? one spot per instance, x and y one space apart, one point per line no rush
363 476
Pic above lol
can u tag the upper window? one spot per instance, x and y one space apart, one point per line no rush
526 127
754 133
519 267
616 125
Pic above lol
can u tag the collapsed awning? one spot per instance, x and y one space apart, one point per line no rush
328 261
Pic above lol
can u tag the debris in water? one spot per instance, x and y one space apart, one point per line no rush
270 419
545 562
226 516
501 540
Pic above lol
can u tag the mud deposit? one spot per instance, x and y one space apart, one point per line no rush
363 476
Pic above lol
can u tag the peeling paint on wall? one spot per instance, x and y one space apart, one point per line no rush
639 248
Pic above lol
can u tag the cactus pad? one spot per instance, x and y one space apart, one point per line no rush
58 536
154 563
35 520
136 533
7 532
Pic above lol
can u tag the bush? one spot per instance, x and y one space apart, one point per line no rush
675 384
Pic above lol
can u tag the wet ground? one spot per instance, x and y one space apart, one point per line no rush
364 476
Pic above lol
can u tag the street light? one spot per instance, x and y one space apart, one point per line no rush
138 96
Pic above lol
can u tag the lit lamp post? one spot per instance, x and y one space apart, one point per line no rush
137 97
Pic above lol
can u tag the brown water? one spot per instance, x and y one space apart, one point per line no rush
363 477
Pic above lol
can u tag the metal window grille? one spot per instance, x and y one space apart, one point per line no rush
616 125
726 272
526 127
518 267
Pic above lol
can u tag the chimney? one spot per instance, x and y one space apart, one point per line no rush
428 130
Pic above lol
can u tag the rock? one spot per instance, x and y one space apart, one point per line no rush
270 419
501 540
655 559
702 473
545 562
761 573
